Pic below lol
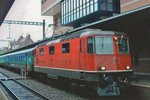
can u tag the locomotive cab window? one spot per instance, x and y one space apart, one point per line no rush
123 45
103 45
41 51
90 45
51 50
100 45
65 48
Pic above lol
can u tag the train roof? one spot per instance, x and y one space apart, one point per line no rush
19 52
82 33
87 32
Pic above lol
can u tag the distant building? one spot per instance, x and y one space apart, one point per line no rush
52 8
21 42
4 49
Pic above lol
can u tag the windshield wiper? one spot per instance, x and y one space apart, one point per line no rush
102 42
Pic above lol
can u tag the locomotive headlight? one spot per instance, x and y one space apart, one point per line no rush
115 38
103 68
128 67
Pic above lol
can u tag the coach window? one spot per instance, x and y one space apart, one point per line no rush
41 51
51 50
65 48
24 58
90 45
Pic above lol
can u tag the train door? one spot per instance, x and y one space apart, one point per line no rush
123 53
36 56
26 65
82 54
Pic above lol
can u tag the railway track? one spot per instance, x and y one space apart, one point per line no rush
18 91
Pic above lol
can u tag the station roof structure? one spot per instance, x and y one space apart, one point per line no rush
128 21
5 5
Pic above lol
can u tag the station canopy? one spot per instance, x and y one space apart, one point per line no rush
135 20
5 5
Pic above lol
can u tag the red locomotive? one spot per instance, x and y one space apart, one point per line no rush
98 59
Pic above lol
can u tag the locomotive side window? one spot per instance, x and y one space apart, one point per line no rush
51 50
65 48
103 45
41 51
90 45
123 45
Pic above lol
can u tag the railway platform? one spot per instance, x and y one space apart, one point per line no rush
2 95
142 71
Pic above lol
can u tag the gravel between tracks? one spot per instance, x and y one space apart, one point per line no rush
46 90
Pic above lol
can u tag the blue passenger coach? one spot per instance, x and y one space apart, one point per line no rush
21 59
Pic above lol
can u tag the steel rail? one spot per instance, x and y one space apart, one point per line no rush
19 91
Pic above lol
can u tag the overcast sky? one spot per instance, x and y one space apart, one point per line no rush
25 10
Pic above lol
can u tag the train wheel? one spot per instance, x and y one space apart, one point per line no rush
125 87
109 90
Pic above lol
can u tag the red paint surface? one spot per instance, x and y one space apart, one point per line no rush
79 59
